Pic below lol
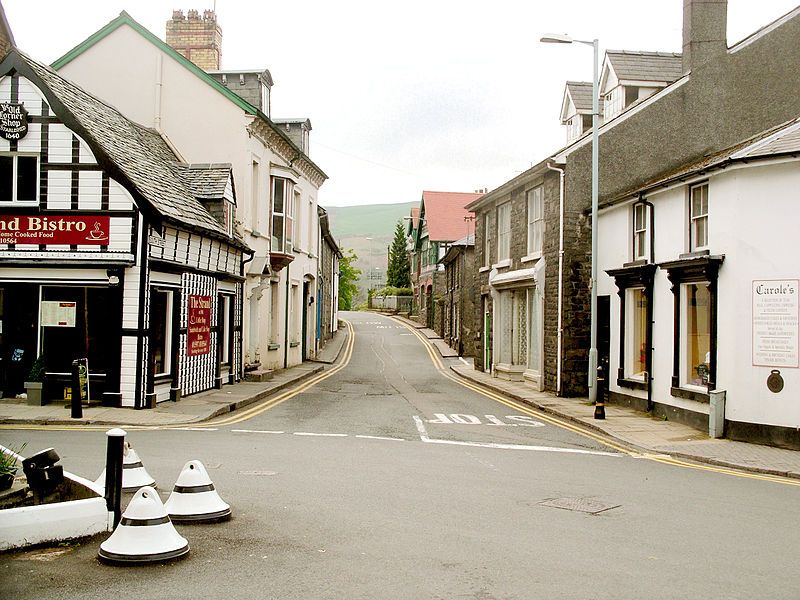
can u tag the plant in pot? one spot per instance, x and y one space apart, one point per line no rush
34 382
8 466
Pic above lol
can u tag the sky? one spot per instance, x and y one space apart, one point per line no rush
444 95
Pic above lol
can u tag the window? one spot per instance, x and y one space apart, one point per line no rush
225 328
535 219
160 330
640 231
696 348
487 240
613 102
295 307
254 191
227 212
19 178
504 231
282 202
275 314
636 328
698 217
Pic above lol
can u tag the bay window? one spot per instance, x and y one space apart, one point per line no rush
282 214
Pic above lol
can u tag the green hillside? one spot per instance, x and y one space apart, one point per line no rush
351 227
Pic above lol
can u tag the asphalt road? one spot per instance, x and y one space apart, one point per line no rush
388 479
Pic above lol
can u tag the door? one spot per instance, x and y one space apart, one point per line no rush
487 336
604 335
304 339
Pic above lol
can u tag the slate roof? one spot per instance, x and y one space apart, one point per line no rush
777 141
645 66
205 181
140 155
444 214
581 94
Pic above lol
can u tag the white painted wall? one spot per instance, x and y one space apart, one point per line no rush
753 222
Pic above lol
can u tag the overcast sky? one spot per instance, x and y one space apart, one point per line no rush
448 95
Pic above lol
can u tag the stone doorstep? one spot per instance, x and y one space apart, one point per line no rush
259 375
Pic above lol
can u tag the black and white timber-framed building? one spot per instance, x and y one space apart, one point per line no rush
111 249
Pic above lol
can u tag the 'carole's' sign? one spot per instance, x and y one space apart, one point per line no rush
13 121
68 229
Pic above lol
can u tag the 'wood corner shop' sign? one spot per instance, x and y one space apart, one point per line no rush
91 230
13 121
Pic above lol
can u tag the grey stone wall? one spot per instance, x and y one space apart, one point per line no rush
326 281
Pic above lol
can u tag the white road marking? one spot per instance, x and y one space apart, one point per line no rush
462 359
195 429
650 456
255 431
320 434
423 436
378 437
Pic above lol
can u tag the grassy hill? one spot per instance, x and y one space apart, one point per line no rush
352 225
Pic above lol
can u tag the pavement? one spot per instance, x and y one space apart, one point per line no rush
187 411
633 428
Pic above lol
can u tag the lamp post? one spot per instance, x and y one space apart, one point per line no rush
565 39
369 262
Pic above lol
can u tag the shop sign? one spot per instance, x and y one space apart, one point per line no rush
199 330
776 318
58 314
13 121
68 229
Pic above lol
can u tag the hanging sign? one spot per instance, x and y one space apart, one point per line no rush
13 121
199 328
776 329
68 229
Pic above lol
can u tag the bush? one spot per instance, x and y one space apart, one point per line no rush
37 370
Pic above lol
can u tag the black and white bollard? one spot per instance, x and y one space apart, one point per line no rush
113 472
195 499
134 475
600 402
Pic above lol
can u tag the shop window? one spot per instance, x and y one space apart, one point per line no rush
504 231
696 338
19 178
636 308
161 331
535 219
698 217
282 203
225 324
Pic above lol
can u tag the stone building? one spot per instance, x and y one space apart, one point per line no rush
328 290
458 306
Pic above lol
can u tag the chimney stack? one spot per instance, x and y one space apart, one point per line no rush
197 38
705 31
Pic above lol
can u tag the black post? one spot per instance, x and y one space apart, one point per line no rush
114 451
76 401
600 402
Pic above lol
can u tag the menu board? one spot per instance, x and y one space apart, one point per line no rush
776 314
199 328
58 314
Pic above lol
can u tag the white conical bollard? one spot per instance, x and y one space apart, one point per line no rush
144 535
134 475
194 498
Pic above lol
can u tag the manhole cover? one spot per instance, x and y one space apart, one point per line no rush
586 505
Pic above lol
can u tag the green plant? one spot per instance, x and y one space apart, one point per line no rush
8 461
36 373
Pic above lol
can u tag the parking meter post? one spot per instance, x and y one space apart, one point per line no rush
75 402
600 402
114 456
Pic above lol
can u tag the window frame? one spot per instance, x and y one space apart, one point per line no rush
701 217
504 231
640 234
281 216
534 198
15 156
167 339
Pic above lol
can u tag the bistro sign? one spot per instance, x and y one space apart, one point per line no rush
83 230
13 121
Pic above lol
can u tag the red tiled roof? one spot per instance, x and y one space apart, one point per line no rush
444 215
414 217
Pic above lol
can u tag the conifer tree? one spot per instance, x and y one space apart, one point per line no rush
399 272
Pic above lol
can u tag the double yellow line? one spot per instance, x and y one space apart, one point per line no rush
233 418
582 431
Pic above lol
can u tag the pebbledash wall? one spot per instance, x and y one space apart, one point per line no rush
153 303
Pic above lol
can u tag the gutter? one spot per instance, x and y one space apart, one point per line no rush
559 351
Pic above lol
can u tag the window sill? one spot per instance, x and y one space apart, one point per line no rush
688 394
161 378
273 346
484 269
20 203
531 257
506 262
632 384
695 254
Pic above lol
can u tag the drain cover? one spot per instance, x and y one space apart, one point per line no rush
586 505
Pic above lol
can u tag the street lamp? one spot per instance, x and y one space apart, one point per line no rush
370 262
556 38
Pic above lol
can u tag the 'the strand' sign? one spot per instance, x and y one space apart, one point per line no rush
199 330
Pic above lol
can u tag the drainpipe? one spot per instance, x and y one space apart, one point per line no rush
560 271
159 85
286 324
651 303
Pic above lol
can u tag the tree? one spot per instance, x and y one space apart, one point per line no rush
348 279
399 272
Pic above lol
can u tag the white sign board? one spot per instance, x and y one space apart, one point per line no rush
58 314
776 314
